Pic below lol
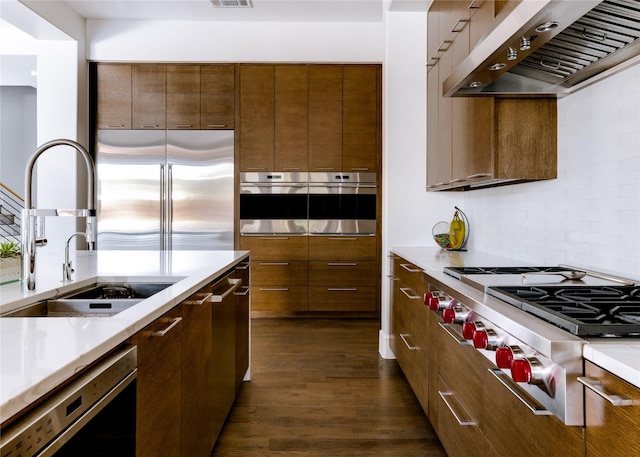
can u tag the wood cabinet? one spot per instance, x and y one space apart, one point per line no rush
325 118
361 118
197 375
257 122
611 430
158 96
159 398
310 117
480 141
342 273
243 324
291 118
113 97
279 283
409 315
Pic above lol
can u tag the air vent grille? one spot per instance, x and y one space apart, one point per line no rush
232 3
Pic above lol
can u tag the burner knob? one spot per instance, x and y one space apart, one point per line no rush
487 339
430 300
506 354
469 328
456 314
426 297
528 370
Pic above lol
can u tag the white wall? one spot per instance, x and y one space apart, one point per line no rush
409 212
590 216
180 41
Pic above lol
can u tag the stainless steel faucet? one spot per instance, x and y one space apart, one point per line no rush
31 215
67 267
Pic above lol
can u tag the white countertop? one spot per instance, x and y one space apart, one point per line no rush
38 354
618 356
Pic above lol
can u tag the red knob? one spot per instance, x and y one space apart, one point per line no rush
448 315
521 370
427 297
468 329
480 339
434 304
504 357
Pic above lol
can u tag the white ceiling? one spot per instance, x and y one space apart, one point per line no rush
262 10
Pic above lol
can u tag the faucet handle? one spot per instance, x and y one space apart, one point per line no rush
67 271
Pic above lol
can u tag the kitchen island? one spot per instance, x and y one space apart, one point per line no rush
40 353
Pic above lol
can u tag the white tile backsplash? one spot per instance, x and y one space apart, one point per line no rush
588 217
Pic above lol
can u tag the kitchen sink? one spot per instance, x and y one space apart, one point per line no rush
96 300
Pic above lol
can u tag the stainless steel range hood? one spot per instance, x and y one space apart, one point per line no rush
585 41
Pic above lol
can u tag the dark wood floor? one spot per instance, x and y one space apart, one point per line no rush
319 388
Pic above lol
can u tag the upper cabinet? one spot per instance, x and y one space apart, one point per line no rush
158 96
309 117
480 141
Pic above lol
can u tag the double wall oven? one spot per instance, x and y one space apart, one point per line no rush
334 203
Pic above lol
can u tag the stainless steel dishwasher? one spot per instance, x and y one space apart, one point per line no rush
93 415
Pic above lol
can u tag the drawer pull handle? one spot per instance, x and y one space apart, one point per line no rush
216 126
243 266
446 396
172 323
274 264
342 238
342 264
202 301
275 289
512 387
460 25
183 126
342 289
409 346
596 386
257 168
150 126
244 291
274 238
444 45
475 4
410 294
118 126
410 268
479 175
234 284
453 333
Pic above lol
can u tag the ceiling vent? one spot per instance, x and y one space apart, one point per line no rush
232 3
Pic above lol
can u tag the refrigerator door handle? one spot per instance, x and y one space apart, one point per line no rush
170 208
162 207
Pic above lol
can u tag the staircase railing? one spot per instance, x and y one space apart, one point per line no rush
11 205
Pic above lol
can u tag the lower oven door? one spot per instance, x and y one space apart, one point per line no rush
93 415
342 208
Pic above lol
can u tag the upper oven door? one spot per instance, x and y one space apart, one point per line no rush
342 203
273 203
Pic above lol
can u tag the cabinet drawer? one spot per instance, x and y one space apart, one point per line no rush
279 298
276 248
293 272
342 248
409 274
458 431
508 426
611 430
342 298
342 274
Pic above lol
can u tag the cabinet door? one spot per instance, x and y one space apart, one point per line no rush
342 248
149 97
342 274
217 96
325 118
276 248
183 97
442 161
197 375
361 139
611 430
275 272
159 397
114 96
257 102
291 118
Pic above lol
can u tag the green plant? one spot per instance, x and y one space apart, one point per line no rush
9 249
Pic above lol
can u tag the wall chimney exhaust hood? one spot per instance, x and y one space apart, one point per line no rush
550 48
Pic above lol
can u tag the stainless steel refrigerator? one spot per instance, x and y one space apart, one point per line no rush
166 190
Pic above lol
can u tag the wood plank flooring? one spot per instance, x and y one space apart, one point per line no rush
319 388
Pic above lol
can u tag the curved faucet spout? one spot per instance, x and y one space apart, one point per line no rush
91 204
31 214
